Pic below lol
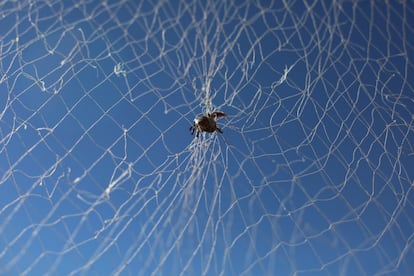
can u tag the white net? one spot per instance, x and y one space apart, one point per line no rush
314 171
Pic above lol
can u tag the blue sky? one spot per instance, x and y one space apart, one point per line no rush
99 173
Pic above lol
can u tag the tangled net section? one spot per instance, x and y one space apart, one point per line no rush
313 173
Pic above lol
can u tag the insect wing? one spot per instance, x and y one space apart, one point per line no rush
219 114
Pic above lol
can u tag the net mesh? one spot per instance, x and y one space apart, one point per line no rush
313 172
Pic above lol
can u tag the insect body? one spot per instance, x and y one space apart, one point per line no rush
206 123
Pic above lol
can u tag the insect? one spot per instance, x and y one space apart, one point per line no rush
206 123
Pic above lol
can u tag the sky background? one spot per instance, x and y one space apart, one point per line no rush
312 174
